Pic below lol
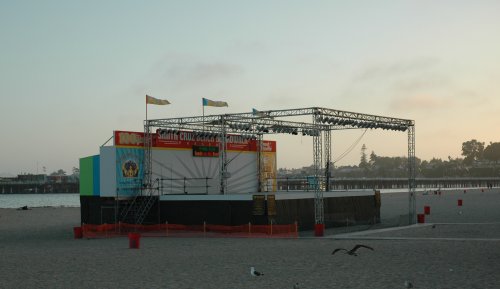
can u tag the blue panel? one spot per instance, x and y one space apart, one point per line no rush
129 170
96 173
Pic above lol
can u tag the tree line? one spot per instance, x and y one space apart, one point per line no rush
479 160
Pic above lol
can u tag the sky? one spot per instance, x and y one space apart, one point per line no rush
72 72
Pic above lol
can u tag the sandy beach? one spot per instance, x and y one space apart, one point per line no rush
461 251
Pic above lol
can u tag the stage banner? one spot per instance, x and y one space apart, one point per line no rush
129 138
259 205
170 139
269 171
271 205
129 171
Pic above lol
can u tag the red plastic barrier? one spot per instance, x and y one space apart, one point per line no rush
420 218
178 230
427 210
78 232
319 230
134 240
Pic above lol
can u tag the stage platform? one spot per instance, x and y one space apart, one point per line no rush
360 207
281 195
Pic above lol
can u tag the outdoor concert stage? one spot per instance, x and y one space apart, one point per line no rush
359 207
221 170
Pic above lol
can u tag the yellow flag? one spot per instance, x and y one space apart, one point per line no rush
152 100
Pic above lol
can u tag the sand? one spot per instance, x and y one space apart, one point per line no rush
37 250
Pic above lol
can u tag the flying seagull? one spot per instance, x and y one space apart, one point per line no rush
253 272
352 251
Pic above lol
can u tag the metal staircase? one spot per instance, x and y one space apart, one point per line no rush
136 210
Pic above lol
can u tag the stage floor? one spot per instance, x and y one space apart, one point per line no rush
281 195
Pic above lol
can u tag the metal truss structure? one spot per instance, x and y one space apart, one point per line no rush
255 125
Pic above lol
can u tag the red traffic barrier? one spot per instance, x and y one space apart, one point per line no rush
134 240
427 210
420 218
78 232
319 230
460 203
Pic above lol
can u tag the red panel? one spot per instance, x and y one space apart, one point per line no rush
186 140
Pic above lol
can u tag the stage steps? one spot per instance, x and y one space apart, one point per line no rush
136 211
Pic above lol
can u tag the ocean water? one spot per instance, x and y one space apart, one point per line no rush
73 200
39 200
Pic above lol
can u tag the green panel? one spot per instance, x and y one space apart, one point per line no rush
86 176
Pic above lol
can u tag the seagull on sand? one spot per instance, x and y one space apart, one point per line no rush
352 251
253 272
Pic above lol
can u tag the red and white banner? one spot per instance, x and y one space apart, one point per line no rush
188 139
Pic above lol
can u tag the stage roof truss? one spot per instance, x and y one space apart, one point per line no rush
322 121
268 122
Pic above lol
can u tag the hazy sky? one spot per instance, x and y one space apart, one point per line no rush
71 72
